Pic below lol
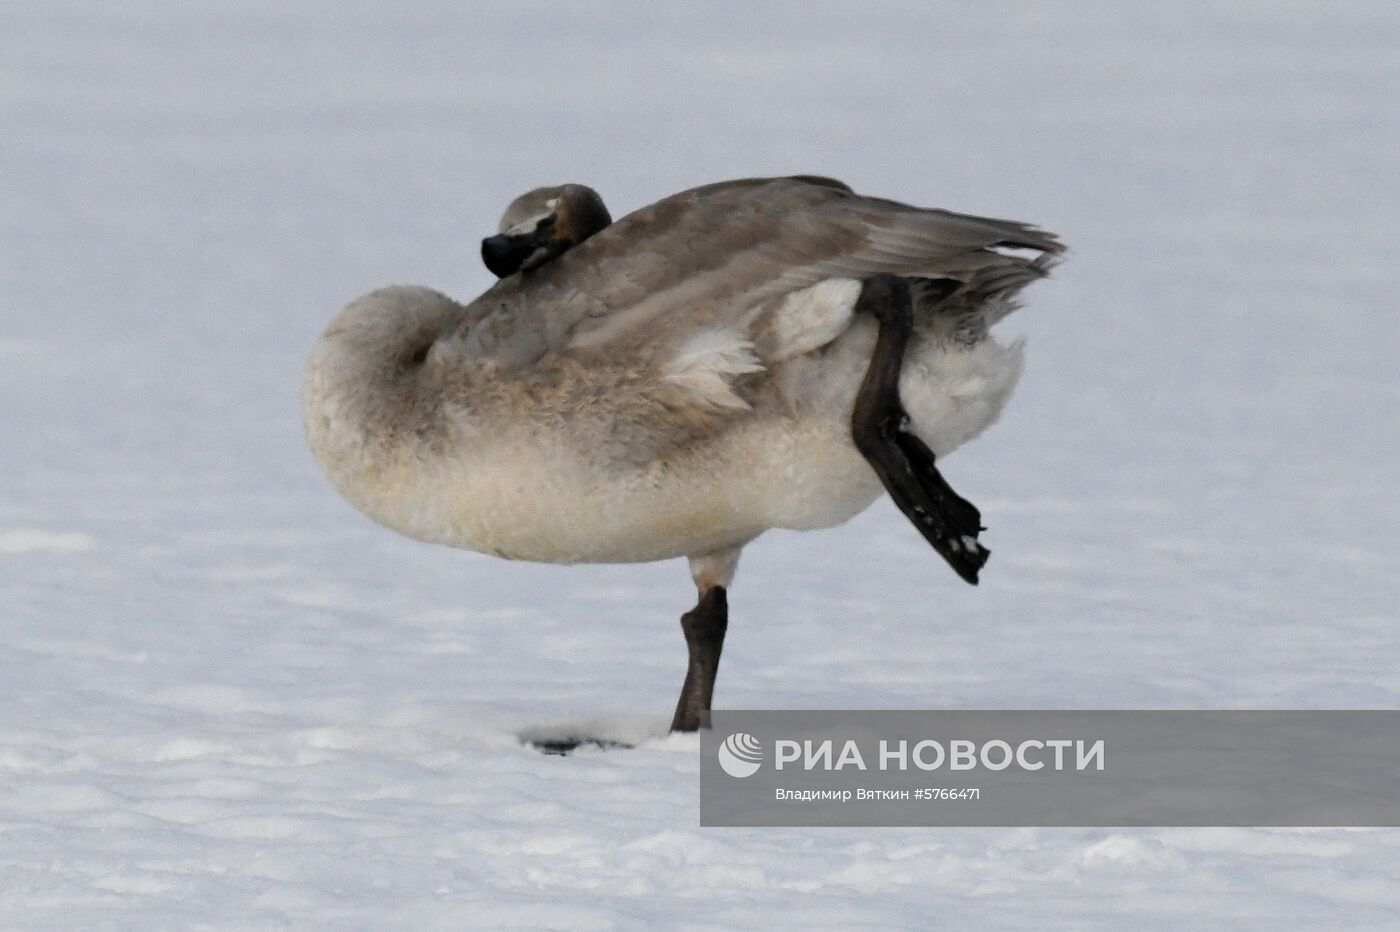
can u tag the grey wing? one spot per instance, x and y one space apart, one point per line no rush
730 253
723 255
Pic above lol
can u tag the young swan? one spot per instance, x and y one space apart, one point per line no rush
542 224
754 354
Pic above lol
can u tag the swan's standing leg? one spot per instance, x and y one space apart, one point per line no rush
905 465
704 627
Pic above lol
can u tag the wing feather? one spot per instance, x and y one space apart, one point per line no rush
721 257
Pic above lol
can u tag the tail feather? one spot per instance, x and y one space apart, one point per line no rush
984 296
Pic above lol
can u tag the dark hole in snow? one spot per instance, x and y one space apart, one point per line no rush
561 746
598 734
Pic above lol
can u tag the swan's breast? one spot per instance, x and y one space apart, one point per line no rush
541 501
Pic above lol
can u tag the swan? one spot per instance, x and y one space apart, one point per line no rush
753 354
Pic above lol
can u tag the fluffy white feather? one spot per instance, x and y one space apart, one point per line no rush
813 317
707 364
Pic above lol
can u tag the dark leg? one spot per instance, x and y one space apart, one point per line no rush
704 627
902 461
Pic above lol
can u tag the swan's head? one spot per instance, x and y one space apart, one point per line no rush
542 224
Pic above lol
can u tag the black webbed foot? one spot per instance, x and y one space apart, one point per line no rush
903 462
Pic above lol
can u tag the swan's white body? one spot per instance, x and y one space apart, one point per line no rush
568 418
504 480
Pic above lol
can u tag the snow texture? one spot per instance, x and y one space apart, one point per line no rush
228 701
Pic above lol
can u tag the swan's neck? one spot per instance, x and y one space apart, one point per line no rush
360 394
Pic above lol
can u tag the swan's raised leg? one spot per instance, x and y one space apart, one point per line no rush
704 627
905 465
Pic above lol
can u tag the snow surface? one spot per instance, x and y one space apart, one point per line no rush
228 701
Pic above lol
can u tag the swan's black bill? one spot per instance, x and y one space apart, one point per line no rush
504 255
521 252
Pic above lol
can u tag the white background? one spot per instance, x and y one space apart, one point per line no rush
227 700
